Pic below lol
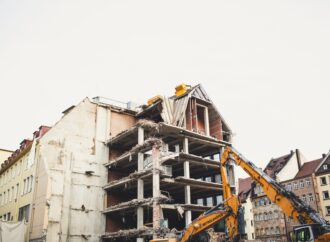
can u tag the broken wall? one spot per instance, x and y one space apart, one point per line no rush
70 168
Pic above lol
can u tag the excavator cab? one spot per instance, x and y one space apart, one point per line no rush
310 233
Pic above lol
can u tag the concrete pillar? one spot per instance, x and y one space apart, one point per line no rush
156 209
207 122
186 172
140 183
177 148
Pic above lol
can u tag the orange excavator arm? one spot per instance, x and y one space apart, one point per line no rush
290 204
227 210
231 200
209 218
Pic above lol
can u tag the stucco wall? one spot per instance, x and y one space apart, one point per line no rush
289 171
64 208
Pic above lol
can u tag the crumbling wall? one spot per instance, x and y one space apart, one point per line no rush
70 168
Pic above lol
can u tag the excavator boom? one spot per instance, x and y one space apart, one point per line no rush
205 221
313 226
290 204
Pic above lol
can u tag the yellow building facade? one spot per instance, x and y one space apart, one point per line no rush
323 185
16 184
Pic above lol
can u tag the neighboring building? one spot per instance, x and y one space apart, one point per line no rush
244 195
269 220
323 185
4 154
17 181
305 187
163 168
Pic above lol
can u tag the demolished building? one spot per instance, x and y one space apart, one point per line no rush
163 168
112 171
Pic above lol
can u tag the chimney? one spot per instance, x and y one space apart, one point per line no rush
324 155
298 155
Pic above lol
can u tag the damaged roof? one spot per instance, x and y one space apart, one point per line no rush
172 109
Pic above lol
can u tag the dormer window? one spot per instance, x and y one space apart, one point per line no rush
325 167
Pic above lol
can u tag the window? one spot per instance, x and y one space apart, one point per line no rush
4 198
327 208
12 194
303 198
303 234
308 182
270 215
202 120
301 184
30 185
325 195
24 187
27 185
325 167
323 180
17 189
9 195
265 216
289 187
23 213
295 185
277 230
310 197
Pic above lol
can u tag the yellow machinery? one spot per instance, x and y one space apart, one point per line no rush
228 210
313 227
181 89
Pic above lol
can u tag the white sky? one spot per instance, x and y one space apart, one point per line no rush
265 64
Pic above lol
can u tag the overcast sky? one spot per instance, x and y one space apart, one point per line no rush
265 64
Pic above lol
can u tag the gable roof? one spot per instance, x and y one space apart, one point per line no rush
244 184
325 161
308 168
173 109
244 188
275 165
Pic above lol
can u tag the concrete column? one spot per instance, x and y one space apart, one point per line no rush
140 183
177 148
186 172
207 122
156 209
